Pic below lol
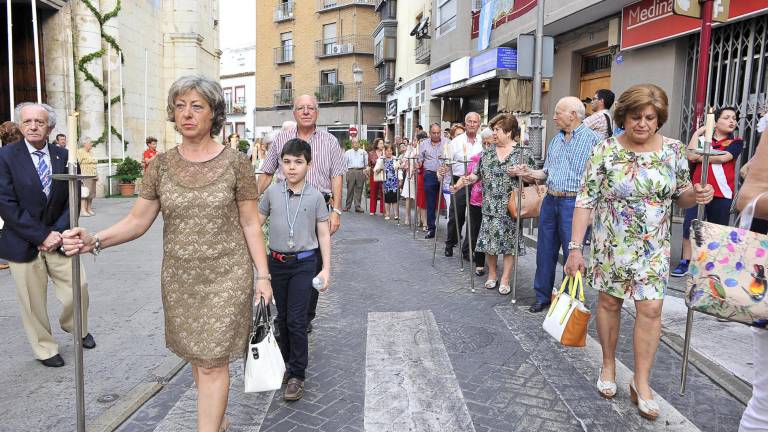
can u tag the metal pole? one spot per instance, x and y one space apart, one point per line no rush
122 105
36 41
705 153
11 87
519 222
468 231
359 117
702 70
535 129
74 206
109 114
415 175
456 219
437 220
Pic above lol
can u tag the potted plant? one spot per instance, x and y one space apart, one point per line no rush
127 172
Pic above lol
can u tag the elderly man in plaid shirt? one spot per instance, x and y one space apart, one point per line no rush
567 156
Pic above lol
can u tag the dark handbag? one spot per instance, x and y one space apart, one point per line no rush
262 324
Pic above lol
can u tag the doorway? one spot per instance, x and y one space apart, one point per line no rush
595 74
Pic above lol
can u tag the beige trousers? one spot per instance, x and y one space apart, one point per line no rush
31 280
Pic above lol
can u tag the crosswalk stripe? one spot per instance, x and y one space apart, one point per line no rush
245 410
409 380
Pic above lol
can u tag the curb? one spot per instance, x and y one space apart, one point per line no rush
113 417
732 384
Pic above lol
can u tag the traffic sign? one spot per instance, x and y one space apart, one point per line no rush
352 132
692 8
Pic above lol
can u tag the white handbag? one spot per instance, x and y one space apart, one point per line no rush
378 171
264 365
568 316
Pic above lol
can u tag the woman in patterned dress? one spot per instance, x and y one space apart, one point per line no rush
498 233
87 163
629 185
211 240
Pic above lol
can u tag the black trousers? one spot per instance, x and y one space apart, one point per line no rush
459 200
291 285
475 216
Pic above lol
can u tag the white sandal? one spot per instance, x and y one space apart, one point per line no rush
504 289
607 389
648 409
490 284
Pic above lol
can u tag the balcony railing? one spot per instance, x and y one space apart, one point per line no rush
423 51
284 54
238 107
284 11
283 97
332 93
324 5
344 45
379 3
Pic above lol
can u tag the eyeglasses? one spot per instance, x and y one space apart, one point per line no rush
310 108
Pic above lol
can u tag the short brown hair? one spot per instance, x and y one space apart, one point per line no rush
637 98
507 122
455 127
10 133
150 139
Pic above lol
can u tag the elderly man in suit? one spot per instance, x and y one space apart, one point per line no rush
35 211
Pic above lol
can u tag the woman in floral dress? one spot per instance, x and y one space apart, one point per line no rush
498 234
629 186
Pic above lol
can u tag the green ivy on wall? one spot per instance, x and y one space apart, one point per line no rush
81 65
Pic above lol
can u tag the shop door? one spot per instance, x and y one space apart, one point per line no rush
24 85
595 74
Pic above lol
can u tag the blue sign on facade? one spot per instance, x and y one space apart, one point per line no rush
497 58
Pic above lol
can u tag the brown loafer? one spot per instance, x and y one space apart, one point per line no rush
285 378
294 390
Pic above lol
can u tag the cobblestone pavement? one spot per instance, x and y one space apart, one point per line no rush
511 376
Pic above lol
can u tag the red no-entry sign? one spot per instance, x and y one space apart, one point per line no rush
352 132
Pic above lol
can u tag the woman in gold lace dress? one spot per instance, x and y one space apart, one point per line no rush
211 239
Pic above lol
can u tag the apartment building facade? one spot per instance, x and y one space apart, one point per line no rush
313 47
238 81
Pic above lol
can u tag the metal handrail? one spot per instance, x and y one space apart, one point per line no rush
283 97
284 11
344 45
284 54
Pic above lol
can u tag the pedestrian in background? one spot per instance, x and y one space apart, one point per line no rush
87 163
35 210
61 140
722 177
208 196
498 170
628 189
299 226
375 191
457 129
567 154
430 152
755 417
463 148
356 161
391 182
9 133
410 173
600 119
150 152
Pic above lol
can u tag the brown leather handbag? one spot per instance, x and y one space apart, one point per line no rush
532 198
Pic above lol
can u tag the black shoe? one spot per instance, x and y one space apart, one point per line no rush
55 361
430 234
88 342
480 272
448 251
538 307
309 327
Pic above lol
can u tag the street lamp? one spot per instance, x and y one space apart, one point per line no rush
357 75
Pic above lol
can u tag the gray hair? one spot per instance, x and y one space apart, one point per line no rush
314 101
574 104
470 114
46 107
84 140
209 89
486 133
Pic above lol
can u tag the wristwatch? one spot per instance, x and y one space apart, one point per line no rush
337 211
97 246
267 277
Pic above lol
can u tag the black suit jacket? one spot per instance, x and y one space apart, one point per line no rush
28 214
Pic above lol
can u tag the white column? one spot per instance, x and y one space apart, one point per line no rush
91 103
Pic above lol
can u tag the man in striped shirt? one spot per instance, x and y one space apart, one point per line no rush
430 152
325 172
567 156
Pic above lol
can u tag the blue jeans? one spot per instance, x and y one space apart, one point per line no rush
431 190
555 222
291 286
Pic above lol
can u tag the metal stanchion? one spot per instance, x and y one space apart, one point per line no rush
468 231
519 222
705 154
456 220
413 189
74 208
437 210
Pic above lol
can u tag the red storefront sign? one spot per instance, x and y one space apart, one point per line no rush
505 11
651 21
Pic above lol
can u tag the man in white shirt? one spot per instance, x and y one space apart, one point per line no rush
463 148
356 159
600 120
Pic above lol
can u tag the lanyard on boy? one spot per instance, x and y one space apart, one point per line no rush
291 224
